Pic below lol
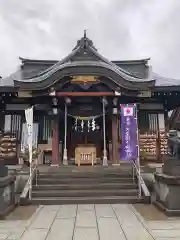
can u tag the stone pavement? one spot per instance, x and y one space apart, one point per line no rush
89 222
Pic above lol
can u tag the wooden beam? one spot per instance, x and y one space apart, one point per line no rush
81 94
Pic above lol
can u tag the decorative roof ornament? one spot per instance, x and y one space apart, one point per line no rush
85 34
85 42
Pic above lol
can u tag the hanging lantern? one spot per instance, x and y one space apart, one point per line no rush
55 105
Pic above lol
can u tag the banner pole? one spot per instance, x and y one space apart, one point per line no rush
29 122
30 184
138 153
130 150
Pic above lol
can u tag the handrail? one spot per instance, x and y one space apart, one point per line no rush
141 184
28 187
38 160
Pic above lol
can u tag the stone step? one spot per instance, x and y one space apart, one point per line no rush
88 185
71 180
84 175
84 169
87 200
85 193
79 186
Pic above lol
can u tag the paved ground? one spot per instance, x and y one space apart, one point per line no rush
88 222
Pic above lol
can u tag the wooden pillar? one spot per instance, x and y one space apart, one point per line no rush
161 136
55 143
115 147
166 121
105 161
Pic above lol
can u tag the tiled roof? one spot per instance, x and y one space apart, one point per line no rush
163 81
133 71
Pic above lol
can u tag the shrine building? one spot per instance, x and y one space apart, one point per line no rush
76 103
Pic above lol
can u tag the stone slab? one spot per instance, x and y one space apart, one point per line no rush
35 234
9 224
122 210
161 225
68 211
89 222
4 236
127 218
86 219
62 229
162 233
51 208
175 224
15 235
167 238
86 207
137 234
43 220
109 228
86 234
104 211
4 230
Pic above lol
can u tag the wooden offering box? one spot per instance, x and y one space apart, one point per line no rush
85 154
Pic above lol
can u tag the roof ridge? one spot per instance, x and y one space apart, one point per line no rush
37 60
51 60
132 60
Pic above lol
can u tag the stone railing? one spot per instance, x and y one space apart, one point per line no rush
7 191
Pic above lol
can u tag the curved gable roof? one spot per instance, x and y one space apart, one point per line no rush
84 54
78 68
41 73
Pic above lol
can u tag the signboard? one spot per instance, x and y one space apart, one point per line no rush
29 122
129 146
84 79
144 94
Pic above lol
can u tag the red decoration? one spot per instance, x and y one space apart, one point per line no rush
128 110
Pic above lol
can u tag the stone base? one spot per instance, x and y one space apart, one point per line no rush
54 165
6 211
171 166
168 212
7 194
3 169
25 202
116 164
167 190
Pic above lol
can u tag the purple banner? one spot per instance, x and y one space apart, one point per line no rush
129 145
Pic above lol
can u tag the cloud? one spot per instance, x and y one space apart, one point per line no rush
120 29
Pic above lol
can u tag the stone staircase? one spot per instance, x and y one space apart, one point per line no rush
85 185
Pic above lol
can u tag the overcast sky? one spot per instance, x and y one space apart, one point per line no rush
120 29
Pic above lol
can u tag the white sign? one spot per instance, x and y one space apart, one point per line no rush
128 111
29 122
